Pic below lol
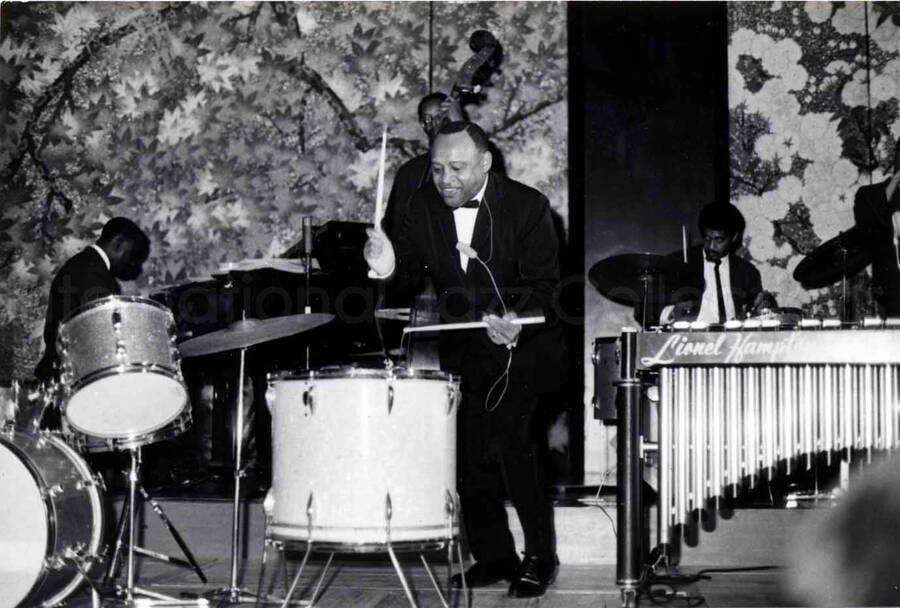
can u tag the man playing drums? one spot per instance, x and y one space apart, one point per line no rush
119 253
490 247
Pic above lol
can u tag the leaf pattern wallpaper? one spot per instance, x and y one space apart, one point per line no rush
217 126
813 105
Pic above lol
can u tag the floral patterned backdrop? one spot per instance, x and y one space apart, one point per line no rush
813 99
217 126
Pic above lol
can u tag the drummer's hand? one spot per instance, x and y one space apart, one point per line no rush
684 311
379 253
764 302
503 331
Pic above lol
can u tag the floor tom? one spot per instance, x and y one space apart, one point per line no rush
363 457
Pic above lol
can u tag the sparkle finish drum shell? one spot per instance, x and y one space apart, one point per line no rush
121 371
364 457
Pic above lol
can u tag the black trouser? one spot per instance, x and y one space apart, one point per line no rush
499 458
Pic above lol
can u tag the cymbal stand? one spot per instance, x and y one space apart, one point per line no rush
645 290
232 593
131 589
845 308
307 254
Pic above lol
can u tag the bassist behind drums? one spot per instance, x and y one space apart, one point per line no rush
435 110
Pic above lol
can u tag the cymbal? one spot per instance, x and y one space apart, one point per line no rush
283 264
248 332
626 278
843 256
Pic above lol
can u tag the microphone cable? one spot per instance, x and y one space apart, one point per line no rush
469 252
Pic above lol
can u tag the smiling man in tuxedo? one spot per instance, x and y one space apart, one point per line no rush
490 246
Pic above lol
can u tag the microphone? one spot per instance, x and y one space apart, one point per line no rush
307 236
307 251
469 251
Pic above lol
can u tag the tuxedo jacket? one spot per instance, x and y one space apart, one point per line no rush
872 212
514 236
84 277
746 283
412 175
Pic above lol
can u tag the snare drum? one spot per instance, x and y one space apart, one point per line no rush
121 372
50 514
363 457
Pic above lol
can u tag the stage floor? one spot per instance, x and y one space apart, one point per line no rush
373 583
748 540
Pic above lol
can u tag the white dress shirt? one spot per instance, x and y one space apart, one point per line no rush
464 217
709 305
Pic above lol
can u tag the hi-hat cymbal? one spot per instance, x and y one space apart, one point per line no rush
843 256
247 332
630 277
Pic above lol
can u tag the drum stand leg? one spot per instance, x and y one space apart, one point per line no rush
293 587
453 543
131 589
388 512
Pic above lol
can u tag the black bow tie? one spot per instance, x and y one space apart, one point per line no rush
472 204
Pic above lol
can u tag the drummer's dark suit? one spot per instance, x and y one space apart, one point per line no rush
873 214
84 277
746 283
497 446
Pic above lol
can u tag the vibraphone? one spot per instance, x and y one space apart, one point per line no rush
743 401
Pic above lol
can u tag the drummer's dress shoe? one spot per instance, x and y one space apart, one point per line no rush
533 576
483 574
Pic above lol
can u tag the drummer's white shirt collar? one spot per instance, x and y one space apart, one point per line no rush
103 255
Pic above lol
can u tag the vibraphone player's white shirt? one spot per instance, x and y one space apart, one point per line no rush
709 305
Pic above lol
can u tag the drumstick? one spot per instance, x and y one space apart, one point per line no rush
471 325
379 191
684 242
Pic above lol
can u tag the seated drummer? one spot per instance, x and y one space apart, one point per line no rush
725 286
91 274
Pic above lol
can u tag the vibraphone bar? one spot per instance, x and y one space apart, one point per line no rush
747 401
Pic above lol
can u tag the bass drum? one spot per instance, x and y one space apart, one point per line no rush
51 519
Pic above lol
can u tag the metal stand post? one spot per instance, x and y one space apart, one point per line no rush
232 593
628 548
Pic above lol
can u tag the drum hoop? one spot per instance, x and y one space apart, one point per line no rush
429 544
173 428
99 302
401 373
126 368
95 492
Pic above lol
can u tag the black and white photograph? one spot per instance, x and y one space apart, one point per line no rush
441 303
